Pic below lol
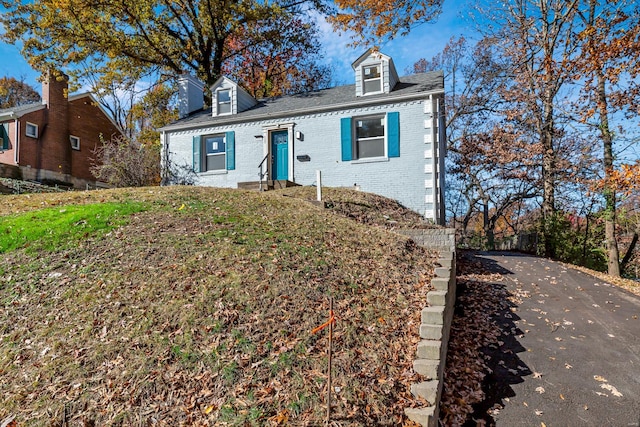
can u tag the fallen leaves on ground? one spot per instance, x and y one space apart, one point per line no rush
200 310
473 329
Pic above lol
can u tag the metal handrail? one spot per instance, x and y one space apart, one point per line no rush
260 173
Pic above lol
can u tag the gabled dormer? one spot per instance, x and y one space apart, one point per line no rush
375 73
228 98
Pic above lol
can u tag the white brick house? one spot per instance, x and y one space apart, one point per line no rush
382 134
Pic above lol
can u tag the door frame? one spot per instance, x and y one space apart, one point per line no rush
266 148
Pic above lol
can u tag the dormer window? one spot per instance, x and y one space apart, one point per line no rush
224 101
374 73
371 79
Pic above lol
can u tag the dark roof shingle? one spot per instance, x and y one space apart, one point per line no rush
336 98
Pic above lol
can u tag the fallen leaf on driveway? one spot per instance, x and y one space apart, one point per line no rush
537 375
599 378
540 390
612 389
538 412
566 365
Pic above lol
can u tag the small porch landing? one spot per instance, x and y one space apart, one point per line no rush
267 185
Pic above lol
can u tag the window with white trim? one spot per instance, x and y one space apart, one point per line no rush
31 130
214 152
75 142
369 137
4 136
371 79
223 99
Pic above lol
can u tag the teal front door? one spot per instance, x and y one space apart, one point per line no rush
280 154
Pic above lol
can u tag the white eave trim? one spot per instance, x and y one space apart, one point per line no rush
12 115
361 102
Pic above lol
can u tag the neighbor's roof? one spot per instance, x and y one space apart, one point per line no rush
415 86
19 111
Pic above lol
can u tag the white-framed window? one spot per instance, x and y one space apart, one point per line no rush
223 99
4 136
75 142
214 152
371 79
31 130
369 138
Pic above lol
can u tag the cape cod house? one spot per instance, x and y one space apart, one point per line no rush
383 134
54 141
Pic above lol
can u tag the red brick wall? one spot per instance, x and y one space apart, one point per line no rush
88 122
51 150
55 137
31 149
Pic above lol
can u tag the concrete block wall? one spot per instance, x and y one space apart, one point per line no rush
435 327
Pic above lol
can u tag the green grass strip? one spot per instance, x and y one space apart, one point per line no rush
50 228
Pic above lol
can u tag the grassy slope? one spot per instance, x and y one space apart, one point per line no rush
199 311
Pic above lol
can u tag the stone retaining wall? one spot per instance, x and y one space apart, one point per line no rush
431 354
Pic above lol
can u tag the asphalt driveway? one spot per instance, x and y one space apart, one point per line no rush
570 350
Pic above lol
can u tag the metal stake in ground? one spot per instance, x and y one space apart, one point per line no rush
328 323
331 321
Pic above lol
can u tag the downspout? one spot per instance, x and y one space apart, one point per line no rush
164 159
16 155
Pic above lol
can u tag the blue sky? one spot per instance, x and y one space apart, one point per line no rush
424 42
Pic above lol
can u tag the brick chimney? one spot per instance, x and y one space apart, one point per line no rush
54 139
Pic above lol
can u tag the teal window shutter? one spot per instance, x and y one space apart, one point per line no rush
197 157
231 150
393 132
345 136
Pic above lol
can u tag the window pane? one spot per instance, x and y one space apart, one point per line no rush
214 144
224 101
31 130
369 128
371 148
224 96
224 108
372 86
371 72
216 162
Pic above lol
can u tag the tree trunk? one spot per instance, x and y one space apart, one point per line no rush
613 264
488 230
548 176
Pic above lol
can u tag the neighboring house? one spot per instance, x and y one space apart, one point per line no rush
54 141
384 135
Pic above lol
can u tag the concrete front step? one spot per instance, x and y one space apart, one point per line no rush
267 185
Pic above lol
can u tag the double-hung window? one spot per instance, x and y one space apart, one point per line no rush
370 137
375 137
371 79
215 152
223 101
